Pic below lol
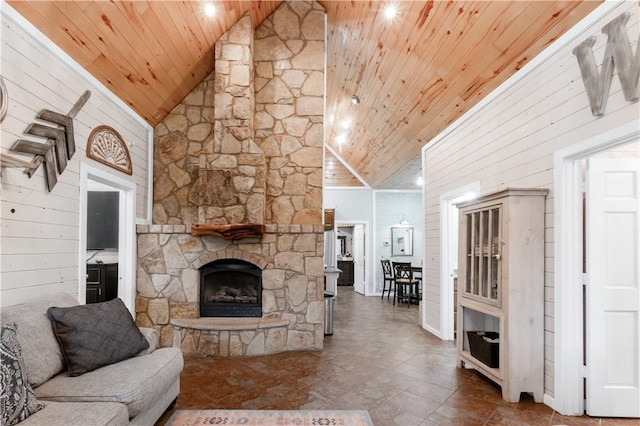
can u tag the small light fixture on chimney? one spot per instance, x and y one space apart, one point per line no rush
355 100
404 220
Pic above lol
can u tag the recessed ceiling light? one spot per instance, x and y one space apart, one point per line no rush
341 138
390 11
355 100
209 9
346 123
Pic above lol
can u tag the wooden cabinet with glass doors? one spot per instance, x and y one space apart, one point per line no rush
500 295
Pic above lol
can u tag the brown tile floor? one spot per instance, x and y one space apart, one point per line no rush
378 359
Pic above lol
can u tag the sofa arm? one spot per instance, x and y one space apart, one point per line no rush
152 337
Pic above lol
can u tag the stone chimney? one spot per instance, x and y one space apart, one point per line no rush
213 170
244 147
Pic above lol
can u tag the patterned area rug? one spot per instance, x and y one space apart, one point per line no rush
270 417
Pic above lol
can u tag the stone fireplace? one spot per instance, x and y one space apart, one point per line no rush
243 148
230 288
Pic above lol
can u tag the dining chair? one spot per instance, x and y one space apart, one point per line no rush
417 275
406 284
388 277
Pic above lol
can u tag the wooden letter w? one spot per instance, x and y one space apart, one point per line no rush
617 54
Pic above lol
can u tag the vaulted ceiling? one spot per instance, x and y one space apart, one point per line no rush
413 75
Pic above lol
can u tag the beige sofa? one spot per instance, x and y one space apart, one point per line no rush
134 391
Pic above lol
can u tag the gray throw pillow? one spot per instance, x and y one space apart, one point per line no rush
17 400
95 335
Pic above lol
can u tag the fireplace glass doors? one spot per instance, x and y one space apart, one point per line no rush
230 288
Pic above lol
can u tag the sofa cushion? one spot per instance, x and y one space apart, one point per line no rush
40 349
136 382
17 400
95 335
80 414
152 337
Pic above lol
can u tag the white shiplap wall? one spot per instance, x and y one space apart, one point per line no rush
510 142
39 238
390 206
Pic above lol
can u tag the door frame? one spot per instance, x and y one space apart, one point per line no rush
569 368
447 320
126 234
367 252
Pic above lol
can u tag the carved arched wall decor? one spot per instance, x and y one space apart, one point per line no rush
4 99
106 146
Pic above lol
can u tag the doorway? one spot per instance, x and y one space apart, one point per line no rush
449 257
104 257
604 325
103 220
352 253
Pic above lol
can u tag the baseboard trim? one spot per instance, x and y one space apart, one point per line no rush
433 331
549 400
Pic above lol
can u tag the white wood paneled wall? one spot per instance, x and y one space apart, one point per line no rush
390 207
40 230
510 142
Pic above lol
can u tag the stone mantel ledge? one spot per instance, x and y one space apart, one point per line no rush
269 229
229 324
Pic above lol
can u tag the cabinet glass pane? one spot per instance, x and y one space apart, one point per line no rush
496 236
469 257
474 257
483 254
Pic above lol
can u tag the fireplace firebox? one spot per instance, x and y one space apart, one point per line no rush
230 288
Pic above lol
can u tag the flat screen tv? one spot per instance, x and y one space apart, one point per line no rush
102 220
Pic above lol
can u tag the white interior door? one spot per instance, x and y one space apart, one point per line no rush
613 297
358 258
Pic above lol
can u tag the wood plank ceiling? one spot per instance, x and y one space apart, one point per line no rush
414 74
336 173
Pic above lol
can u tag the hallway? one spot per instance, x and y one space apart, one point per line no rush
378 359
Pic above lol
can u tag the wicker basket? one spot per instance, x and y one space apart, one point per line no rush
486 352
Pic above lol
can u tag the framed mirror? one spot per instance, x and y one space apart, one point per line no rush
401 241
343 244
